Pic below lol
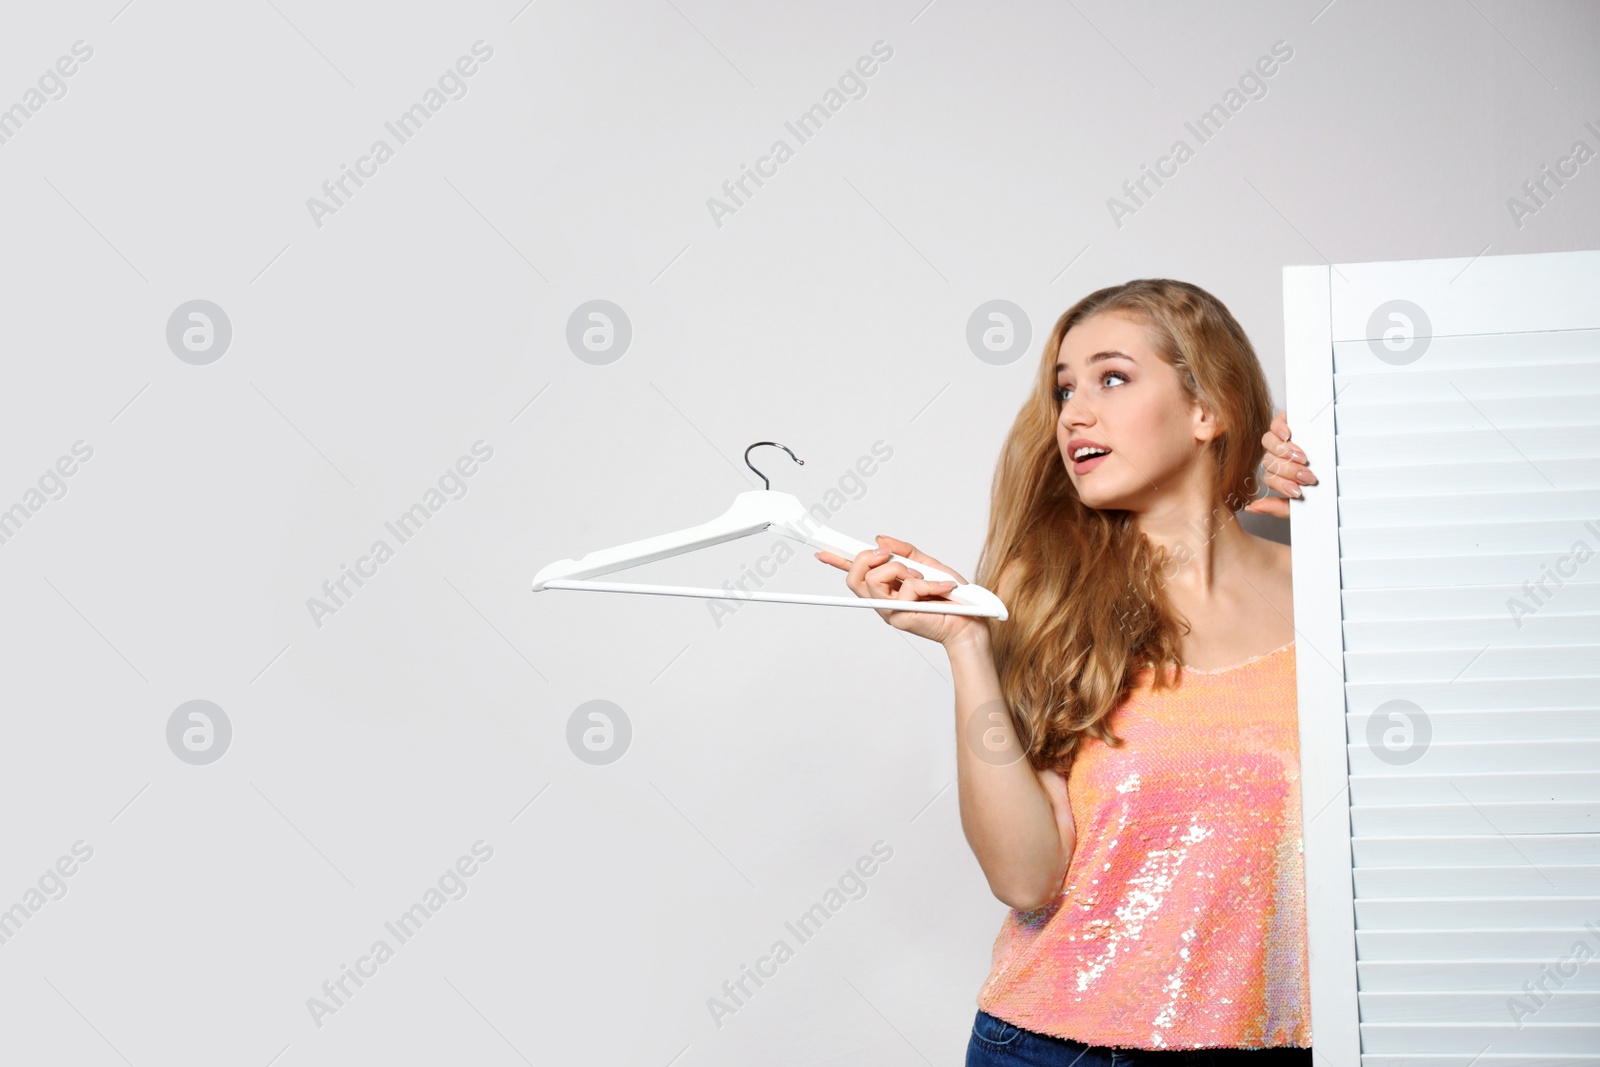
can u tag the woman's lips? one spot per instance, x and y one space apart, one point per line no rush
1089 464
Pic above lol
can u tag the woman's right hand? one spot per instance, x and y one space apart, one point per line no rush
873 575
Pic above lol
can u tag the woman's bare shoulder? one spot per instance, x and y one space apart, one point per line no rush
1280 552
1267 546
1274 557
1267 583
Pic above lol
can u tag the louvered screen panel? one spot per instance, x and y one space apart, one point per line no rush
1465 521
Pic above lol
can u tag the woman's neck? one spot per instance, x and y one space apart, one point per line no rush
1198 536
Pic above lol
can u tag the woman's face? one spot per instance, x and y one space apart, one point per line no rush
1128 432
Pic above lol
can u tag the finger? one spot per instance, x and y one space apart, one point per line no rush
1276 506
1277 446
1282 467
1289 466
1283 485
914 589
911 552
832 559
880 580
1289 470
856 579
904 548
918 588
1280 425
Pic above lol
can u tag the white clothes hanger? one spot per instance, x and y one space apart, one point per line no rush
751 513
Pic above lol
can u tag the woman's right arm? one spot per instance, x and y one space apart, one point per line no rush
1016 819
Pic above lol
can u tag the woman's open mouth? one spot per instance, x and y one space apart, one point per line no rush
1086 454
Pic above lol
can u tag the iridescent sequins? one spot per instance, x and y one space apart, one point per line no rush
1181 918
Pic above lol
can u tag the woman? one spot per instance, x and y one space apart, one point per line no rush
1128 767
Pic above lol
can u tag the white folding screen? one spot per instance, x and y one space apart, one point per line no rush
1447 610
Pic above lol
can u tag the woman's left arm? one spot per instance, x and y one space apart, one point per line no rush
1285 467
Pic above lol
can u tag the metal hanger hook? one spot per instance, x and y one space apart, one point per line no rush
766 483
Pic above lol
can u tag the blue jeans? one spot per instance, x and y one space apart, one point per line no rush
997 1043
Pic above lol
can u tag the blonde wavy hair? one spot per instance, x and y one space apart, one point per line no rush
1082 585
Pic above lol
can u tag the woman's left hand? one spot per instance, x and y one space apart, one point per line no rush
1285 467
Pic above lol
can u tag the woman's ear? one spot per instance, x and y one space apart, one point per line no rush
1207 426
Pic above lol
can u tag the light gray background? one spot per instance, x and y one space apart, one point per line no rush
830 312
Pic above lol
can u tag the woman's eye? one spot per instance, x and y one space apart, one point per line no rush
1063 393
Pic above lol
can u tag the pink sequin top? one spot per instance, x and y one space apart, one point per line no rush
1181 918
